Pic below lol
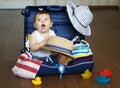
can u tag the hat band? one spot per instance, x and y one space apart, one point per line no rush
64 50
79 21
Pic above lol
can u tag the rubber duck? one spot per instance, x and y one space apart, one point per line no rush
87 74
103 80
28 36
106 72
37 81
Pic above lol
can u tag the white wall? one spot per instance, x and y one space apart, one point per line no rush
79 2
16 4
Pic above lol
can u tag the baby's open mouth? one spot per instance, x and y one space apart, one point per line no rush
43 26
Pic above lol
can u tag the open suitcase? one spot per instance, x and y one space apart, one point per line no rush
62 27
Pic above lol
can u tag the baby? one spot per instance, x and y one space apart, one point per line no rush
43 22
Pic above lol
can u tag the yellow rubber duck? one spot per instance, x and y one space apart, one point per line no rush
37 81
87 74
28 36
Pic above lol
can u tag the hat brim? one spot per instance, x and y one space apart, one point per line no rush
58 50
81 29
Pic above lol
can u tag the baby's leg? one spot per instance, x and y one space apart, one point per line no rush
62 59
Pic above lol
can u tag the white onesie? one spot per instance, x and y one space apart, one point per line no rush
41 52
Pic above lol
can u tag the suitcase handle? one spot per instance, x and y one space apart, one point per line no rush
26 12
54 8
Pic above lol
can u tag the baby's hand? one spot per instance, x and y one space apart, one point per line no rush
46 39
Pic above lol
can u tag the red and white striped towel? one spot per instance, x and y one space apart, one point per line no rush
25 67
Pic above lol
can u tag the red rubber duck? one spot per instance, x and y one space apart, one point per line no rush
106 72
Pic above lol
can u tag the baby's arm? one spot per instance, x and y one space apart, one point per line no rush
34 45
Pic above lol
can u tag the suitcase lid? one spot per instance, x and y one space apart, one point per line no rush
61 23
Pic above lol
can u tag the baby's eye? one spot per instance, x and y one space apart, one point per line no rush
46 19
38 20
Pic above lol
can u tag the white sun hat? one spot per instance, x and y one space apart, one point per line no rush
80 18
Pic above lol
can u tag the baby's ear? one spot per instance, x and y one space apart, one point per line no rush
34 25
51 24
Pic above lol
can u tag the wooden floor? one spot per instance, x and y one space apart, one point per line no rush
104 41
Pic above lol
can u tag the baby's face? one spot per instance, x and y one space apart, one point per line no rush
43 22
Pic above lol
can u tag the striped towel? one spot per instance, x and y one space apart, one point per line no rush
25 67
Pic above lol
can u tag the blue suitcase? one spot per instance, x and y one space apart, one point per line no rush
62 27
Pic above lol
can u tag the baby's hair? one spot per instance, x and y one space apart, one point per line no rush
42 12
